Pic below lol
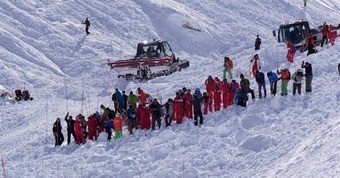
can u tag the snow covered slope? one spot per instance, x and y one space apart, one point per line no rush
43 48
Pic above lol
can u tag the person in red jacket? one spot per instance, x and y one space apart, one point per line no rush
332 34
325 32
210 88
143 117
179 105
255 64
78 130
141 97
92 127
291 52
188 105
206 101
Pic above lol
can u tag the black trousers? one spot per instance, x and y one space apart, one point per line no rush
196 115
273 87
168 120
296 86
109 133
59 139
69 132
154 120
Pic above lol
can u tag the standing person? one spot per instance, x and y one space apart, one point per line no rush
78 130
206 101
241 98
131 116
339 68
132 99
291 52
141 96
118 100
297 80
224 89
156 114
234 87
197 104
87 25
57 132
304 3
92 127
143 117
332 34
257 42
179 105
272 77
308 74
285 77
255 64
210 87
118 126
188 106
168 112
245 86
70 128
108 128
261 82
217 98
325 33
310 45
125 100
228 66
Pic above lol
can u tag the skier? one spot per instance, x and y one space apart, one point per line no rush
261 82
92 127
57 132
241 98
197 104
291 52
108 128
228 66
272 77
308 74
118 126
188 106
297 79
131 116
245 86
179 105
143 117
285 77
156 114
325 32
132 99
168 112
70 128
257 42
87 25
310 45
255 61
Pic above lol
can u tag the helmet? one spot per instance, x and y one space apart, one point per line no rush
197 90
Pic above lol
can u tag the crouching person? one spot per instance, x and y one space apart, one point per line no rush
241 98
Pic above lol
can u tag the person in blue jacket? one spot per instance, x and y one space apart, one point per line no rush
241 98
108 128
272 77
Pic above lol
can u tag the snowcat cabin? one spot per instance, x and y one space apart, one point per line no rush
153 49
295 32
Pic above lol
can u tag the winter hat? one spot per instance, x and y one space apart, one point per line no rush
241 76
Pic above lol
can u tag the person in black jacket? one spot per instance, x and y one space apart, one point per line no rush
261 82
308 75
197 98
257 42
70 128
156 112
58 135
87 25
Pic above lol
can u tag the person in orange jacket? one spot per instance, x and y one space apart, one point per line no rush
188 105
179 105
217 98
118 126
285 77
291 52
310 45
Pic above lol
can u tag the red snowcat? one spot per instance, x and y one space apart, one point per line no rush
153 59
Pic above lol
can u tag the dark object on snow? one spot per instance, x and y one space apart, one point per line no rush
87 25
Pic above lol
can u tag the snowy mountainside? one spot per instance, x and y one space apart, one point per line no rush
44 49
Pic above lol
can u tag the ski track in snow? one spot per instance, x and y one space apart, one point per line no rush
44 49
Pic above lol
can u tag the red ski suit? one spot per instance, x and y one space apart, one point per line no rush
224 85
188 105
291 52
210 87
141 97
92 126
78 130
179 105
143 117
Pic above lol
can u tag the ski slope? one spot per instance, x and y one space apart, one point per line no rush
43 48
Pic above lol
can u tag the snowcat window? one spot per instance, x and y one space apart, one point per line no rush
167 49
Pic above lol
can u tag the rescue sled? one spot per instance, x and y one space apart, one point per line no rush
153 59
